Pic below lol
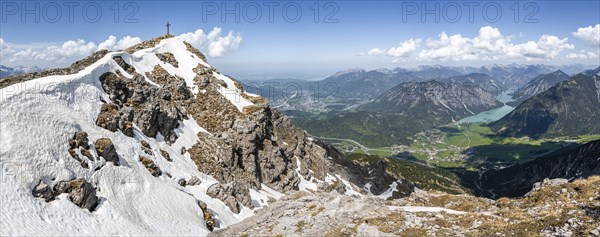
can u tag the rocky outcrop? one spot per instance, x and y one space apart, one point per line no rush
233 194
109 117
79 148
165 155
207 216
150 166
106 149
43 190
152 109
146 148
168 57
261 148
81 192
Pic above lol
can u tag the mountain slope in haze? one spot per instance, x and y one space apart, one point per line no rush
476 79
592 72
569 108
570 163
152 140
538 85
398 114
361 84
514 75
434 100
11 71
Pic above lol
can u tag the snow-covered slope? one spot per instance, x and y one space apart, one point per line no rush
38 117
152 140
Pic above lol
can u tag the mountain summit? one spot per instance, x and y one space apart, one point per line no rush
152 140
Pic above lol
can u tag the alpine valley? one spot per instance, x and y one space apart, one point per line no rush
154 141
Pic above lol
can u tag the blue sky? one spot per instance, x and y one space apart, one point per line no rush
367 34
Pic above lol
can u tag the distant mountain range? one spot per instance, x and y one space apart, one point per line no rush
484 81
538 85
398 114
356 86
569 108
433 100
6 71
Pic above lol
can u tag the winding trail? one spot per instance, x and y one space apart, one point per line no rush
286 101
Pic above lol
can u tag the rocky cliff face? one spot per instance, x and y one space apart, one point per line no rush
569 108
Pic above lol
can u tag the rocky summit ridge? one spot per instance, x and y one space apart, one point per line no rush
153 135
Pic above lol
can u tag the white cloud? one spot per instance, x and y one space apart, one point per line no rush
590 35
582 55
57 55
214 44
403 50
112 44
489 45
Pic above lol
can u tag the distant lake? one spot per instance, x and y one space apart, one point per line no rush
492 114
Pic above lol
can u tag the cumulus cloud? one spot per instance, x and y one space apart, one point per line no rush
590 35
403 50
56 53
215 44
113 44
582 55
488 45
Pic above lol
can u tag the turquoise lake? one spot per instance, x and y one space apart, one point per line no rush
492 114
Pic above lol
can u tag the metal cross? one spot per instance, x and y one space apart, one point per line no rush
168 25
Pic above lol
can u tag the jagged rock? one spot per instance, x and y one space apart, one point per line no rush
62 187
79 142
83 194
115 87
106 149
194 181
165 155
546 183
182 182
208 219
168 57
42 190
143 103
125 124
80 139
195 51
149 164
109 117
232 194
128 68
146 148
